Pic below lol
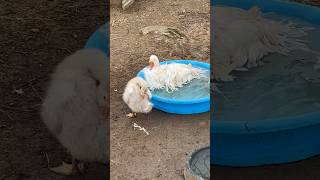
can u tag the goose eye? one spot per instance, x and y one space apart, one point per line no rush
104 97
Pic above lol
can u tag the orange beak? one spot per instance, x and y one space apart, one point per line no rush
151 64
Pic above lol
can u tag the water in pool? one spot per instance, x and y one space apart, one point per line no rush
285 86
197 88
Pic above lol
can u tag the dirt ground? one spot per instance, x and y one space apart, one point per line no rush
34 36
162 154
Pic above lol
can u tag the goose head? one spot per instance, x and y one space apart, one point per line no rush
145 96
143 88
153 62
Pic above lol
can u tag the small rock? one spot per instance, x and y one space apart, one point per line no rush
18 91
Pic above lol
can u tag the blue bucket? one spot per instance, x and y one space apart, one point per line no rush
193 106
270 141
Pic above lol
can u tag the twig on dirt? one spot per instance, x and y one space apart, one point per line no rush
140 128
126 4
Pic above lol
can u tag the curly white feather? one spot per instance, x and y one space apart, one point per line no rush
242 38
171 76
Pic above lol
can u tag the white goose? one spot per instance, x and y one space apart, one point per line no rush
242 38
74 108
137 96
170 76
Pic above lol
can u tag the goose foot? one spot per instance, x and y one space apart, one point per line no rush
132 115
68 169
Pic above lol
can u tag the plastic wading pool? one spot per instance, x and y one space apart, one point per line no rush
179 106
268 141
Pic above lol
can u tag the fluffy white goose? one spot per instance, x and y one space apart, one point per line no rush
170 76
137 96
242 37
73 108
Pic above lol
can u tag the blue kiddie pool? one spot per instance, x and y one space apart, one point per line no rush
182 106
100 39
262 141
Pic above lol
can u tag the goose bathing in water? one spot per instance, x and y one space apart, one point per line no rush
241 38
137 96
170 76
75 109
